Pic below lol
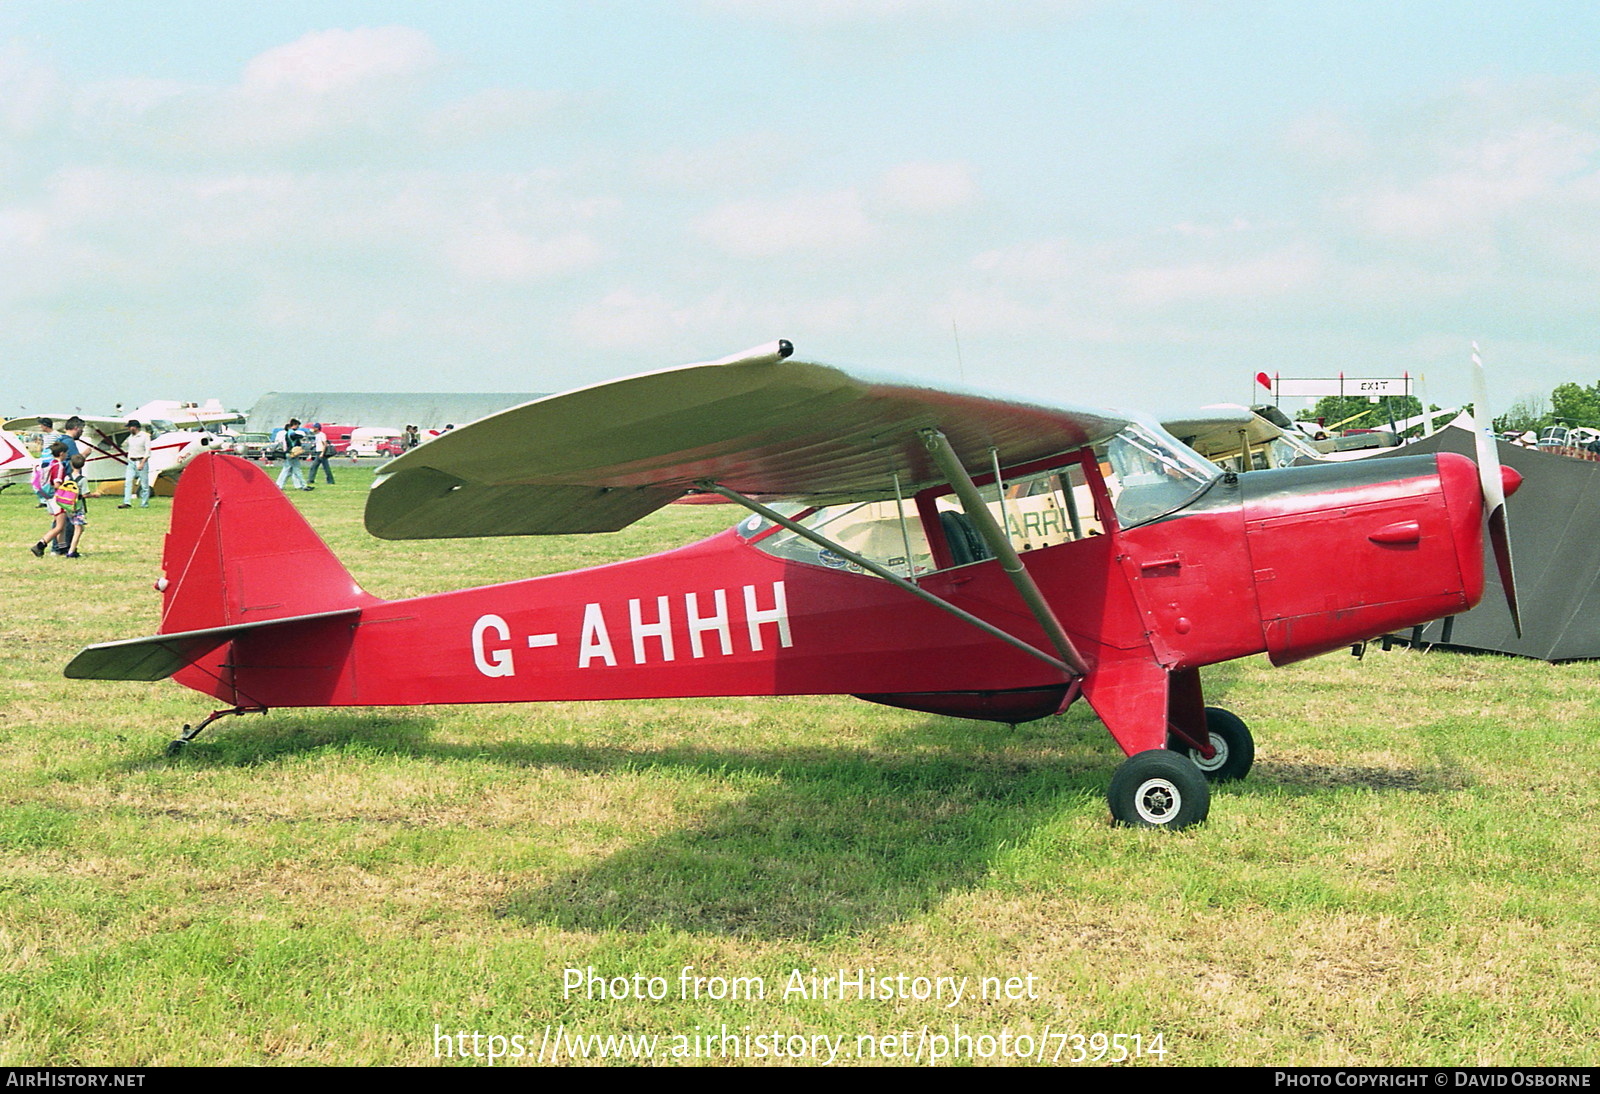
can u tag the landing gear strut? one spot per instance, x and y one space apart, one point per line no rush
190 733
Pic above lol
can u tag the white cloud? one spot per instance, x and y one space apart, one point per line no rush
1037 261
832 12
928 187
1328 140
1200 230
31 94
625 319
354 95
506 255
831 223
997 309
328 61
719 320
1239 280
341 190
489 113
1502 175
92 231
757 157
827 14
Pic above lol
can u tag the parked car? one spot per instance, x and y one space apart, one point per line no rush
252 446
365 441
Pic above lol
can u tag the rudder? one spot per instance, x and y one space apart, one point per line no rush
238 551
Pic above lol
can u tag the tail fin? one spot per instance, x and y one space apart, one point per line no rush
239 552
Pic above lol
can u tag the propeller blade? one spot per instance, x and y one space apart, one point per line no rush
1493 483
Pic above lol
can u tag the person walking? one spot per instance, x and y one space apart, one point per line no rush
138 470
321 449
291 441
52 476
47 438
78 515
71 436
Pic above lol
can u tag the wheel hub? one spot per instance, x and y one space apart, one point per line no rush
1219 755
1157 801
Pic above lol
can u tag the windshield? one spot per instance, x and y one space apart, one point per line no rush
1150 474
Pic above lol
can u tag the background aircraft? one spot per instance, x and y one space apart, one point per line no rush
944 552
104 442
16 462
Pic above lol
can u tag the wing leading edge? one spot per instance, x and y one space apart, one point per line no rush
763 423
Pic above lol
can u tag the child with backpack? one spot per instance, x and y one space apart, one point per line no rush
50 481
78 517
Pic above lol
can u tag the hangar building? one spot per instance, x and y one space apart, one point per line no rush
378 408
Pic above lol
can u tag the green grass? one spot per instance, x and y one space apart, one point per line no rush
1406 878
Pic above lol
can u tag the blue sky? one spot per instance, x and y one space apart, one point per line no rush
1123 203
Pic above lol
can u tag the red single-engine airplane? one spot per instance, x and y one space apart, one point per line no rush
943 552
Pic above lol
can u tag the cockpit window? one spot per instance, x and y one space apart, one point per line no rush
1150 474
1147 474
872 529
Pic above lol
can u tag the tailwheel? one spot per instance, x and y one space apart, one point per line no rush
1235 749
1159 789
176 746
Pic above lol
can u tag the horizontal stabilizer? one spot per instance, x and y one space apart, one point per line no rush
160 655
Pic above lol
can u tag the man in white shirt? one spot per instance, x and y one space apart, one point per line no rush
138 471
321 449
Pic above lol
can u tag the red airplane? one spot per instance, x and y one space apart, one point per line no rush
949 553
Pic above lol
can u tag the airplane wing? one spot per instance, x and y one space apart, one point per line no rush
761 422
111 427
103 437
1215 429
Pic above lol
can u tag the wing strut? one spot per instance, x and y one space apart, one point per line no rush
889 576
999 545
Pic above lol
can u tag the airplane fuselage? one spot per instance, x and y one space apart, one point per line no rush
1292 563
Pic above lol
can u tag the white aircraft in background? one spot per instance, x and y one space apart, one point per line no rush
104 442
16 462
186 415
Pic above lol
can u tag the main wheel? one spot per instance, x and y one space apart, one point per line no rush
1235 748
1159 789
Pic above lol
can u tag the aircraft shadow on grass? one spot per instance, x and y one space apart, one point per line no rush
843 840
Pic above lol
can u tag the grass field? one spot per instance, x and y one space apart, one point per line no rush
1408 876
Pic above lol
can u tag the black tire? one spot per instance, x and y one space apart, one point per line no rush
1236 749
1159 789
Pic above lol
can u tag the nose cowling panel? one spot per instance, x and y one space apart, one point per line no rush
1344 552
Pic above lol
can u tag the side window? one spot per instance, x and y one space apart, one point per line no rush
1144 474
871 529
1050 508
1038 509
